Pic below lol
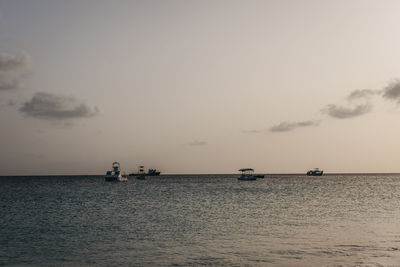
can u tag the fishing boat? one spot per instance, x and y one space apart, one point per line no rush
315 172
247 174
153 172
141 175
115 174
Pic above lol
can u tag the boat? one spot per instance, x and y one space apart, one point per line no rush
315 172
153 172
247 174
115 174
259 175
141 175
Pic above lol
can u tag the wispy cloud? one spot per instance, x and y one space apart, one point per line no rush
11 70
289 126
11 103
392 91
359 102
10 81
340 112
198 143
13 62
57 107
363 93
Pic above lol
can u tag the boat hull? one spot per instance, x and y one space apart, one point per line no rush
313 173
146 174
247 178
153 174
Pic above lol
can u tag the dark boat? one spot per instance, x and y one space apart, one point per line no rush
259 175
115 174
247 174
153 172
315 172
141 174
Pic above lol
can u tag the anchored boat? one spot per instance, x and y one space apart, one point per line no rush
141 175
315 172
247 174
115 174
153 172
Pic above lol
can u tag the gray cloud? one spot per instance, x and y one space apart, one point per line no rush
11 70
363 93
56 107
11 103
354 108
198 143
341 112
392 91
9 81
13 62
289 126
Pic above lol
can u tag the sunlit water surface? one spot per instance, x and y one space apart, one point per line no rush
181 220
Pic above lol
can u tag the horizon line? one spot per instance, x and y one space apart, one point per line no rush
165 174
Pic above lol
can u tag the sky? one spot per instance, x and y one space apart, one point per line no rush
199 86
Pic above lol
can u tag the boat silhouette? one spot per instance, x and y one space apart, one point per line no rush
315 172
115 174
247 174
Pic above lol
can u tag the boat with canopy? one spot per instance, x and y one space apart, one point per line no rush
247 174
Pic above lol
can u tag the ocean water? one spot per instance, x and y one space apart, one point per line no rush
186 220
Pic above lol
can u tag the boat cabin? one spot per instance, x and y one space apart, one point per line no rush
247 172
115 173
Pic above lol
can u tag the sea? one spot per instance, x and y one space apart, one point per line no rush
192 220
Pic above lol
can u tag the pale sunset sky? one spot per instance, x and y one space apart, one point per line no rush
199 86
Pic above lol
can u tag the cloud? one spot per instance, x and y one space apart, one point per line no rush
11 70
13 62
10 81
289 126
354 107
392 91
359 102
340 112
363 93
56 107
11 103
198 143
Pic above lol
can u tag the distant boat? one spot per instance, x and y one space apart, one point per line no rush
153 172
247 174
141 175
259 175
115 174
315 172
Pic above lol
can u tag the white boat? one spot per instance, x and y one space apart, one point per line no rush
115 174
141 175
247 174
